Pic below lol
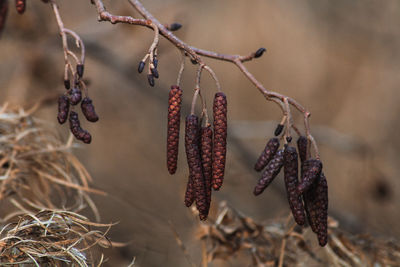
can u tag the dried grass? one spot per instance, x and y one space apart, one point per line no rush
237 239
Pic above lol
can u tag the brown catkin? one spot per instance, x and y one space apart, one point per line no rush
174 119
20 6
270 172
75 96
3 14
76 129
192 135
189 194
219 142
88 110
302 144
206 160
269 151
311 170
290 168
63 109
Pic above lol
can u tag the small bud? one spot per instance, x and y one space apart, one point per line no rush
141 66
67 84
155 62
175 26
278 129
154 72
79 70
150 79
194 62
75 96
260 52
288 139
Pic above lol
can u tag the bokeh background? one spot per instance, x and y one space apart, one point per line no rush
340 59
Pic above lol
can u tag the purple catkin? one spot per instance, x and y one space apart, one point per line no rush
75 96
189 194
270 172
311 170
88 110
206 160
63 109
174 120
302 144
269 151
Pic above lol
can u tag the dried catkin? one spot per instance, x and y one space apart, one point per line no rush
270 172
290 168
174 119
88 110
269 151
219 142
189 194
302 144
3 14
76 129
192 135
63 109
311 170
20 6
206 160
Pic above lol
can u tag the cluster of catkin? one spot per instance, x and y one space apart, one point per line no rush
307 197
69 100
205 150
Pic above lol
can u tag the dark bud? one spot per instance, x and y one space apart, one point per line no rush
289 139
150 79
63 109
175 26
155 62
154 72
67 84
194 62
79 70
278 129
260 52
88 110
20 6
75 96
141 66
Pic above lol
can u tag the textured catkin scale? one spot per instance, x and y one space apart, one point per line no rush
290 169
206 160
174 119
302 144
192 135
270 172
269 151
321 203
20 5
219 142
63 109
75 96
88 110
311 170
3 14
189 194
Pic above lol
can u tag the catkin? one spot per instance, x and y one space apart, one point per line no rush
88 110
3 14
311 170
63 109
269 151
192 135
302 144
322 209
219 142
174 119
189 194
75 96
20 6
206 160
270 172
290 168
76 129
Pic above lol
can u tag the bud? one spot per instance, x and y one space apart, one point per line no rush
174 120
141 66
79 70
260 52
63 109
220 134
278 130
154 71
175 26
88 110
270 172
150 79
67 84
269 151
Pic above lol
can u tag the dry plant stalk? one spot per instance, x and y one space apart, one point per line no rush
52 238
235 238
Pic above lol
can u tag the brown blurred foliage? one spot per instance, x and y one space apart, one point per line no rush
340 59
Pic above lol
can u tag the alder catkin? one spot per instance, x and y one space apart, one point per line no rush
189 194
174 119
3 14
271 171
302 144
76 129
290 168
322 209
269 151
192 135
206 160
20 6
63 109
311 170
75 96
219 142
88 110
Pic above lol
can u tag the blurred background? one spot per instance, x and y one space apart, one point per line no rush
340 59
